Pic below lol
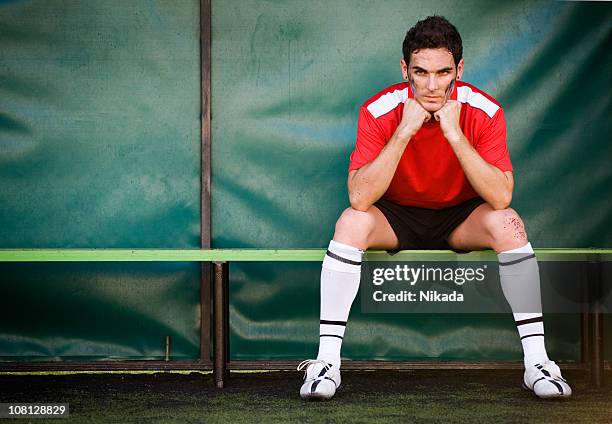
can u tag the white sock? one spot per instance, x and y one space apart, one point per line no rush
520 281
340 277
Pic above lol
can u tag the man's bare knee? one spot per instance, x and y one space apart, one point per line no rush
506 229
354 228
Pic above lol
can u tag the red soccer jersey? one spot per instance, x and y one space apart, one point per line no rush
429 174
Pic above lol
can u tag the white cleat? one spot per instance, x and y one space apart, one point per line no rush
545 381
320 380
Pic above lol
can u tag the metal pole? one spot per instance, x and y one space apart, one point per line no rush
205 222
585 318
596 320
219 307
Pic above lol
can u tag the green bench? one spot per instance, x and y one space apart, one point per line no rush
591 320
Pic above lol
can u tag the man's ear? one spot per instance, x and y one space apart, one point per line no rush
404 68
460 69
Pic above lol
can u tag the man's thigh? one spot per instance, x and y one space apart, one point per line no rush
383 237
474 233
365 230
487 228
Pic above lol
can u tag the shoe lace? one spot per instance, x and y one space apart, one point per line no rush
308 362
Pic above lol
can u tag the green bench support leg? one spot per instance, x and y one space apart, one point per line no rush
221 322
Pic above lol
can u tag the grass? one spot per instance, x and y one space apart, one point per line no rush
376 396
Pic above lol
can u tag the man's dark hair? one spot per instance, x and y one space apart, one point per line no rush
433 32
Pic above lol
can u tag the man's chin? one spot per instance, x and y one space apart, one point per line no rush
431 106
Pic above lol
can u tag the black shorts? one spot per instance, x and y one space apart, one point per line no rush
419 228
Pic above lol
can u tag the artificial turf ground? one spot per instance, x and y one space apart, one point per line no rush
466 396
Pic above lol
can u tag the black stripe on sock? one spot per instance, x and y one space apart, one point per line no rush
532 335
341 259
517 260
324 321
331 335
529 321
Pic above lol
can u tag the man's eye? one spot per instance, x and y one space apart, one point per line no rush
420 72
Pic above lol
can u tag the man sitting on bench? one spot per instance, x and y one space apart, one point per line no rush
431 170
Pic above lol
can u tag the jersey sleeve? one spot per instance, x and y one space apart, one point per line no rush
370 140
491 144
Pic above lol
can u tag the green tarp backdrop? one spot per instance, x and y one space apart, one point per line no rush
100 147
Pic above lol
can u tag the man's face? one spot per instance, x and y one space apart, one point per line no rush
431 73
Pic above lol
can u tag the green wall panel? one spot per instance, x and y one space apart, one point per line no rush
288 79
99 147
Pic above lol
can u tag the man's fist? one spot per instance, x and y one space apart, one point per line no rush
448 116
413 118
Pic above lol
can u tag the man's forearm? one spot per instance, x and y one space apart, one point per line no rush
492 184
369 183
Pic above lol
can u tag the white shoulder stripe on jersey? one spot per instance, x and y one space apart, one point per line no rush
477 100
386 103
389 101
